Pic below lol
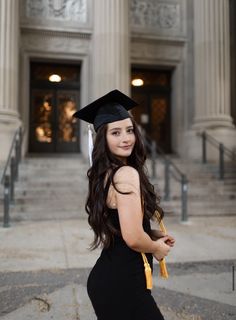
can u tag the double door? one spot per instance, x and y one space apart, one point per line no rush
154 112
52 127
154 116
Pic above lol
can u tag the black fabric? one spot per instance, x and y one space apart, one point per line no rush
116 284
110 113
111 107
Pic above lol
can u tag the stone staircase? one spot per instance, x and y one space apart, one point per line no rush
207 195
55 187
52 187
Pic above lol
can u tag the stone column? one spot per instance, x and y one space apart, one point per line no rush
9 53
111 67
212 71
212 63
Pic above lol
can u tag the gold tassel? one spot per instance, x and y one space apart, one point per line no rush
163 269
162 263
148 272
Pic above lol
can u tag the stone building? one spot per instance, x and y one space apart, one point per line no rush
58 55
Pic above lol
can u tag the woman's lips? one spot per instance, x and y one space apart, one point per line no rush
126 147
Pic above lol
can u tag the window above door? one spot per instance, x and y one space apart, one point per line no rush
52 74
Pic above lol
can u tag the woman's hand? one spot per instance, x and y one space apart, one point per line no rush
170 241
157 234
162 248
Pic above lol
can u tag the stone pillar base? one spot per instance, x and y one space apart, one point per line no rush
7 131
192 144
213 122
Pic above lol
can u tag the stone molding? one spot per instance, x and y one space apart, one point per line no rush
7 117
165 51
164 18
51 42
56 33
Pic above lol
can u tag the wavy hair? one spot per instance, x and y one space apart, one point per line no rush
103 162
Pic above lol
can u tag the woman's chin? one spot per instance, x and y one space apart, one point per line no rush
124 154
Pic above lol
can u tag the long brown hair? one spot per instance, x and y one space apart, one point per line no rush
104 161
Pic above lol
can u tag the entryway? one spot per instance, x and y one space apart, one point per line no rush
151 88
54 97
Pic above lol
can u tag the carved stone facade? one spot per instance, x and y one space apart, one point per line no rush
160 35
71 15
160 17
70 10
154 14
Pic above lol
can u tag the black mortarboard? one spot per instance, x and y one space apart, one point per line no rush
111 107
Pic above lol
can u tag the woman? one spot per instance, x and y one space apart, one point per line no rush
121 201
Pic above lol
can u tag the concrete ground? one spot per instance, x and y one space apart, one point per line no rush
44 266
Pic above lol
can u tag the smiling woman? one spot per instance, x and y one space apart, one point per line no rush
121 201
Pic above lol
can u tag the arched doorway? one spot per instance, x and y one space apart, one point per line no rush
54 97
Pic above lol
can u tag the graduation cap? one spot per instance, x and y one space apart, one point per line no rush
111 107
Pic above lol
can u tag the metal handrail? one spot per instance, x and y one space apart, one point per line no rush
223 150
216 143
149 142
10 173
170 170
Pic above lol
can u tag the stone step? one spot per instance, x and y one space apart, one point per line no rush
197 187
191 167
59 191
192 211
47 188
16 215
42 189
79 198
69 201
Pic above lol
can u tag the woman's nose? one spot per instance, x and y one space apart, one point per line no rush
125 137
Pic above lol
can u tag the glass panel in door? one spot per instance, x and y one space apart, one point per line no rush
160 121
41 120
67 126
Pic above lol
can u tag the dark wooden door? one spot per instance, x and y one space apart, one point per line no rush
52 127
154 112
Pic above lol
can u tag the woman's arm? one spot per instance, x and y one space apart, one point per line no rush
130 213
156 234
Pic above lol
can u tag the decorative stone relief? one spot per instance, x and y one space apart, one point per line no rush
154 14
69 10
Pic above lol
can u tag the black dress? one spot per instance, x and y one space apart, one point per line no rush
117 286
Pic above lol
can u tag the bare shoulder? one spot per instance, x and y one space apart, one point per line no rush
128 176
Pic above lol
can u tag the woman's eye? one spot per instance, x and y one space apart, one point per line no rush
115 133
130 130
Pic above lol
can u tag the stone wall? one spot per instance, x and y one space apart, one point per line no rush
160 36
